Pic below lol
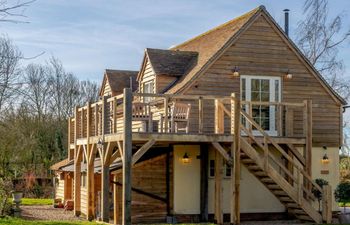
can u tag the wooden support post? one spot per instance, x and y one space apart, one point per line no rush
114 122
200 115
235 208
218 188
90 175
77 176
327 204
105 179
308 133
96 120
127 157
90 168
250 113
104 113
166 115
204 182
116 211
232 188
289 122
219 118
167 181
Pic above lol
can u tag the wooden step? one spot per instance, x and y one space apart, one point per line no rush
292 206
286 199
279 193
273 187
260 173
267 180
298 211
254 167
247 161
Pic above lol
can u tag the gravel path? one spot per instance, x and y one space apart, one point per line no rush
47 212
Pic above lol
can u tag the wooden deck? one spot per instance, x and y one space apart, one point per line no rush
107 128
138 137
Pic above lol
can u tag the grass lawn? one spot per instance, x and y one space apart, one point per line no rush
342 205
14 221
35 201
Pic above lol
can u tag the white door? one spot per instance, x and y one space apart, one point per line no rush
262 89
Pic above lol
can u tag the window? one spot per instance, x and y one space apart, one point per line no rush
226 169
148 87
261 89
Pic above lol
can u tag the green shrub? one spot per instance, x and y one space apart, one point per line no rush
5 192
342 193
321 182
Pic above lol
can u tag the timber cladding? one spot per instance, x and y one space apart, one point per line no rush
261 50
149 190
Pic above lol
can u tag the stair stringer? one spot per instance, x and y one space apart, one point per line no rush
280 181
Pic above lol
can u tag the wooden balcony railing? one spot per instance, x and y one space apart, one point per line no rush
207 115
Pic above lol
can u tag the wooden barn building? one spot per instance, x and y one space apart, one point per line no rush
232 124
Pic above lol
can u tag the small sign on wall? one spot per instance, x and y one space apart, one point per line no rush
324 171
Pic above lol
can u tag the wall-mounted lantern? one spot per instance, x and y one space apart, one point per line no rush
185 159
100 143
288 75
235 72
325 159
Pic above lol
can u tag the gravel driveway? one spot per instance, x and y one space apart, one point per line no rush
47 212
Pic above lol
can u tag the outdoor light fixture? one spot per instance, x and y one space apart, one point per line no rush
288 75
235 72
185 159
325 159
100 143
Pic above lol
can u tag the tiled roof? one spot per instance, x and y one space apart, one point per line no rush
120 79
59 165
209 44
171 62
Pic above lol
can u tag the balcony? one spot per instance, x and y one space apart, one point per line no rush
186 118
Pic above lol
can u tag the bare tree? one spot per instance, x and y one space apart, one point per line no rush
13 11
319 37
37 89
88 92
9 70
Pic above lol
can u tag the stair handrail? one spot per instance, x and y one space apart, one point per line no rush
269 139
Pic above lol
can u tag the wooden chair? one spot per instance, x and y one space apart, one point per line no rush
179 114
142 112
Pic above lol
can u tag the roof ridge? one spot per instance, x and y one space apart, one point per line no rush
255 10
121 70
172 50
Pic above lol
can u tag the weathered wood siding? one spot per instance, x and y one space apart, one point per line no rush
60 188
83 193
148 176
107 91
83 200
261 51
163 82
147 76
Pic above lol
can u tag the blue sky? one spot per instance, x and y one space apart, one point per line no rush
89 36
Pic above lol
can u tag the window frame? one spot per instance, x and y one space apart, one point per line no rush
273 94
150 90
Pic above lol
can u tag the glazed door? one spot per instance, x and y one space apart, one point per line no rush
261 89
